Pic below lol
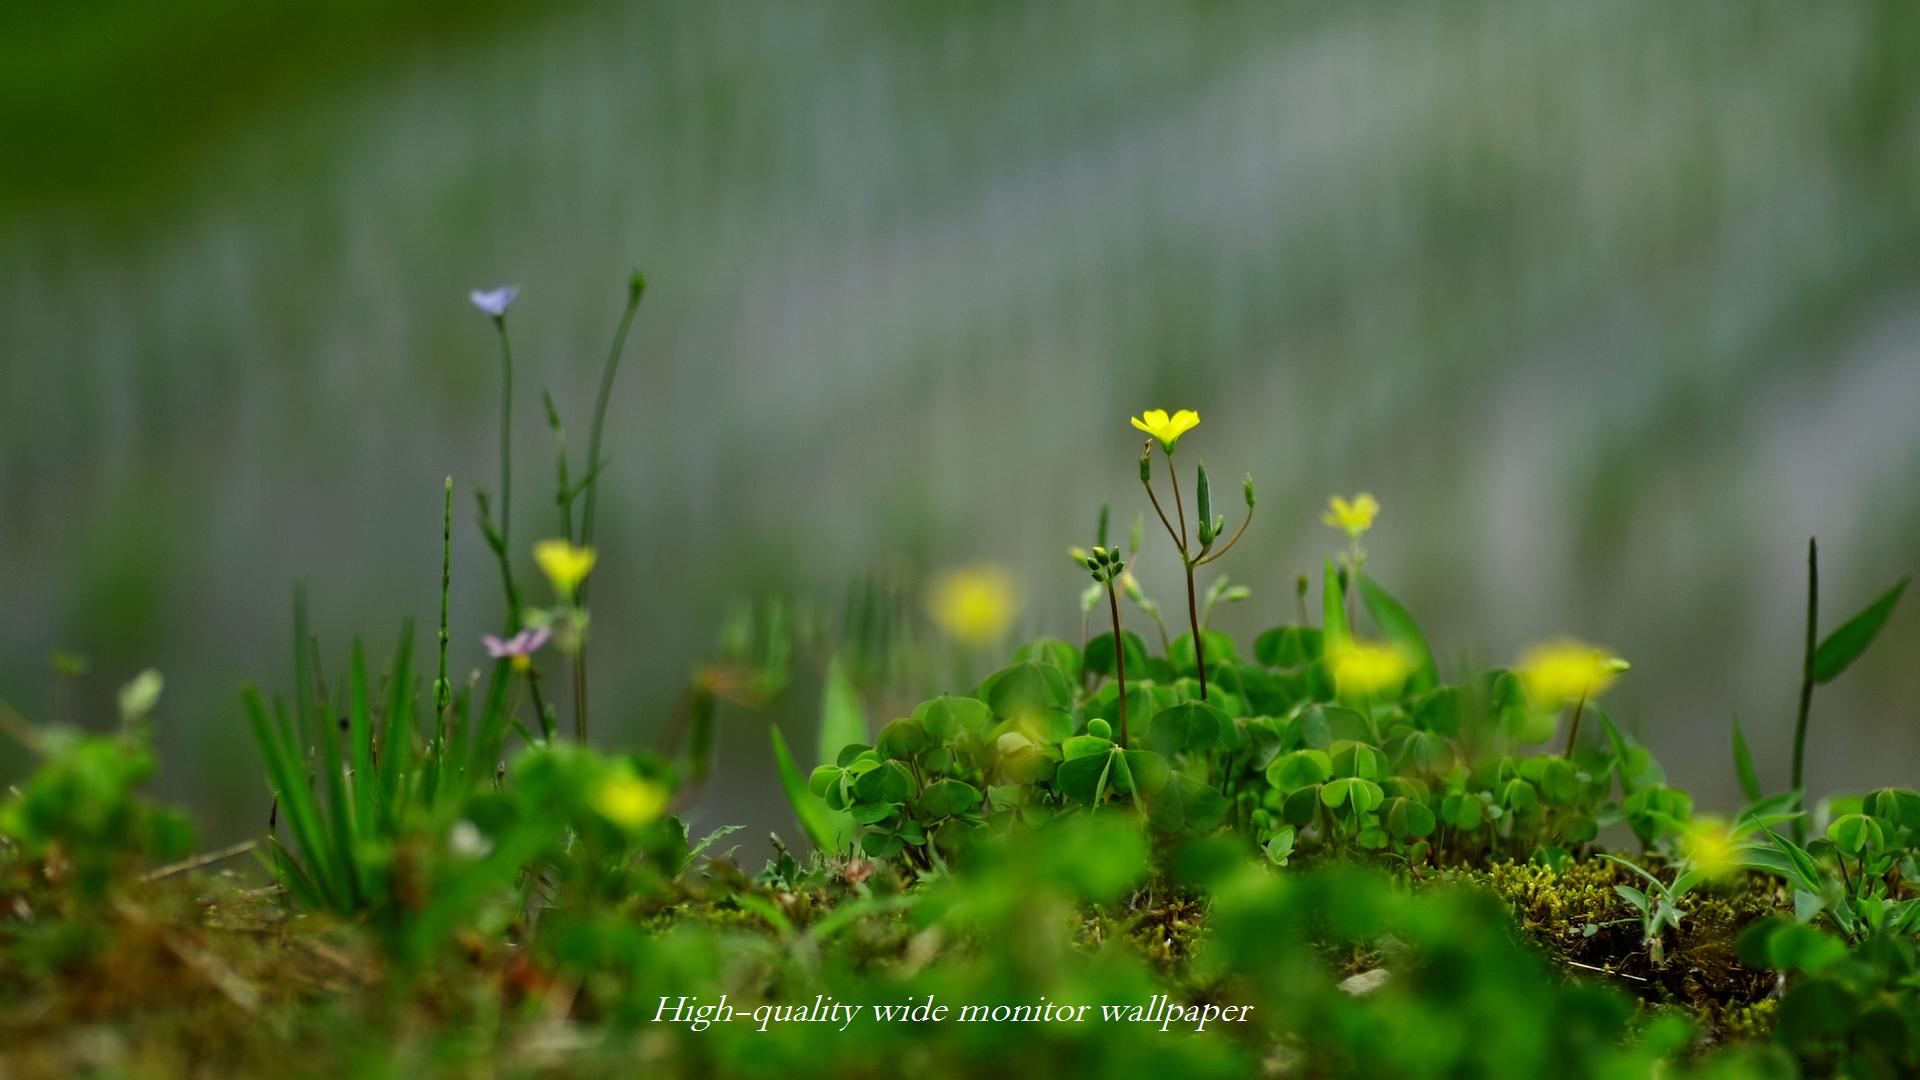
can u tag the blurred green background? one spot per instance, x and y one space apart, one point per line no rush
1611 305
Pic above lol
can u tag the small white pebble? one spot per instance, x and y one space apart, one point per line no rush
1365 983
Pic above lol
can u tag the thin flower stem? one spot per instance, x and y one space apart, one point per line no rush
1085 613
539 705
580 692
1193 621
1166 643
563 497
1573 731
1238 533
634 294
1193 611
635 291
442 692
1179 508
498 545
1119 660
1155 499
1806 681
506 433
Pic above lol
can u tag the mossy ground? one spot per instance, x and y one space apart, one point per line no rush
1574 914
211 974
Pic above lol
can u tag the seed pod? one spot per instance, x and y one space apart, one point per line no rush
1249 490
1146 464
1203 496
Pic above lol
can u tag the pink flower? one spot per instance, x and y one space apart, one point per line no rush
519 648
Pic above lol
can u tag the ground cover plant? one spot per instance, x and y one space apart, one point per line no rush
1317 852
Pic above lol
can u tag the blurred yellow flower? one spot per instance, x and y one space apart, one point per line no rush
1353 517
975 605
1709 845
628 801
1168 430
565 565
1562 672
1364 669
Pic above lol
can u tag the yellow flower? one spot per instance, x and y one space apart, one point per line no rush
1709 845
1566 671
628 801
1353 517
1156 423
974 604
1364 669
565 565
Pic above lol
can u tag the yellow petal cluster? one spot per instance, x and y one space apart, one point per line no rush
565 565
1366 669
628 801
975 605
1710 847
1352 517
1563 672
1167 429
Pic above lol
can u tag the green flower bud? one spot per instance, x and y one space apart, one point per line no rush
1249 491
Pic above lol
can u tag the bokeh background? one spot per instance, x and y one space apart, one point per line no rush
1612 305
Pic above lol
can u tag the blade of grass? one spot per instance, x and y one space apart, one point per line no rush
288 781
842 723
397 750
360 733
815 819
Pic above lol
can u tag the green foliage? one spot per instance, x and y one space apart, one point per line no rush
81 810
1108 824
1842 647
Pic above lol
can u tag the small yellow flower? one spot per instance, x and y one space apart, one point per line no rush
1562 672
628 801
1364 669
565 565
1168 430
975 605
1709 845
1353 517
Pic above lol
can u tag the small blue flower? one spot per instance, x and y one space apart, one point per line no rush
494 301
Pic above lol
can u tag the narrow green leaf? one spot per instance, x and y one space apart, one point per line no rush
1400 628
842 723
1743 764
1333 612
828 831
1845 645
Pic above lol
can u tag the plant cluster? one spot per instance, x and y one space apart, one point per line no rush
1324 826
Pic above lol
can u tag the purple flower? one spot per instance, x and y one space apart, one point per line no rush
519 648
494 301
